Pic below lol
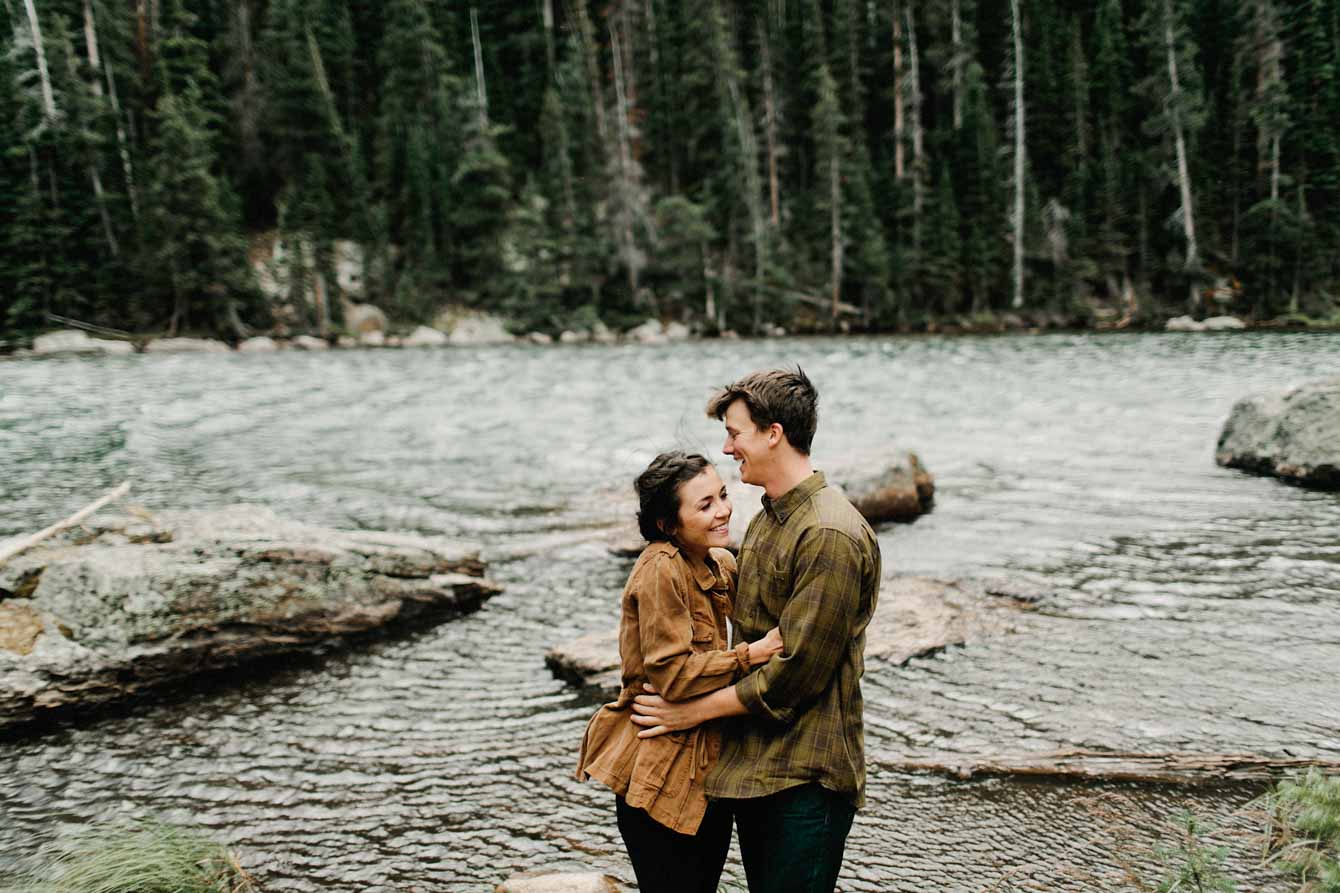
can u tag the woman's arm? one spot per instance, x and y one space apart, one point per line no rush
665 627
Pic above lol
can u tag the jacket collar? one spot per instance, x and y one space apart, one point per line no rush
703 575
785 505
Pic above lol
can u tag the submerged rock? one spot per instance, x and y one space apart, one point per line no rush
1294 436
916 616
259 344
903 492
126 604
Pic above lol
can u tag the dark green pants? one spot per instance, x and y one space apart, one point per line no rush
792 841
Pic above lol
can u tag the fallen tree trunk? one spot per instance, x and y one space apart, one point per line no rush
1173 767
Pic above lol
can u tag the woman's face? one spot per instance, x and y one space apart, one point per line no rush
704 513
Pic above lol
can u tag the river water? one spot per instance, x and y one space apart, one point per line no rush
1188 607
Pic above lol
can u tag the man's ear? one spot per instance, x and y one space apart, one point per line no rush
775 434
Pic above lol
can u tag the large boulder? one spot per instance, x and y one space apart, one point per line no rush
1294 435
128 604
902 492
915 617
74 341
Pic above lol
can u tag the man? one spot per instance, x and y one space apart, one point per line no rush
792 763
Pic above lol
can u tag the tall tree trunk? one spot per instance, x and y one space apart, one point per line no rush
1192 261
127 169
548 13
91 45
481 95
958 57
835 223
899 90
770 122
625 222
1017 215
44 76
918 131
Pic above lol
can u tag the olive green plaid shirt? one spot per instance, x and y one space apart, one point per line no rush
810 564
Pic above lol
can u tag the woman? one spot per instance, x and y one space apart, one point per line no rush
672 633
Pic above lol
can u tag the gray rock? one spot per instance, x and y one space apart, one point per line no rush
126 605
372 339
475 330
649 332
1223 324
567 336
903 492
259 344
540 338
1294 436
75 341
185 345
1183 324
424 336
310 342
916 616
570 882
677 331
363 319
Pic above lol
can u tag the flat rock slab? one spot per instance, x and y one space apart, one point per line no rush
916 616
1294 436
125 604
568 882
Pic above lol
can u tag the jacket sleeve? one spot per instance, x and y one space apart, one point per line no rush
665 626
818 622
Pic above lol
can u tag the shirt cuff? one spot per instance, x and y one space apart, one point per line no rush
747 690
742 659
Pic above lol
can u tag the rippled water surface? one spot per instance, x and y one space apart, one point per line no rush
1189 607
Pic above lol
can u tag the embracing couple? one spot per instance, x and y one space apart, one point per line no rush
765 731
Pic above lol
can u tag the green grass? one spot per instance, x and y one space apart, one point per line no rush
1304 832
138 858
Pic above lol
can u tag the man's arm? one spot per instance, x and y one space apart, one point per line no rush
818 622
658 716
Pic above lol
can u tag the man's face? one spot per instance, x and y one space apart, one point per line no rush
746 443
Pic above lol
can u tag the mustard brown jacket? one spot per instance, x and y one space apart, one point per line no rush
672 633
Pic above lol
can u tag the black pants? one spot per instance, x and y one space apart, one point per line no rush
666 861
792 841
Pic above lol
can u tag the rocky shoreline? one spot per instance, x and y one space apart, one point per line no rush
368 328
124 605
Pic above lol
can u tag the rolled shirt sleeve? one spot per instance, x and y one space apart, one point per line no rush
665 625
817 622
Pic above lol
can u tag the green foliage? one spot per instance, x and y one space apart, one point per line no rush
1305 830
142 857
1190 864
706 194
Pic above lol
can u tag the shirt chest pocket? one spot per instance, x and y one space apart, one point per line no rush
765 586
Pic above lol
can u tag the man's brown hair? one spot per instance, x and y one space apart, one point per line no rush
775 395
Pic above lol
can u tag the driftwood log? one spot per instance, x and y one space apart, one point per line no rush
1168 767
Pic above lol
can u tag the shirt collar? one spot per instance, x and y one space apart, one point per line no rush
785 505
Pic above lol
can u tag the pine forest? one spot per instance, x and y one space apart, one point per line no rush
820 165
